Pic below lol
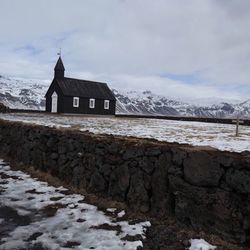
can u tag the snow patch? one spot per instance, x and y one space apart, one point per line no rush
111 210
121 214
200 244
59 220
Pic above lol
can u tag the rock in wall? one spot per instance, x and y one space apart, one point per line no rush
204 187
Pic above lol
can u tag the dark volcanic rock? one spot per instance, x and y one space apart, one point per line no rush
202 170
160 196
178 156
137 194
218 211
119 182
54 156
97 182
238 180
132 152
153 151
147 164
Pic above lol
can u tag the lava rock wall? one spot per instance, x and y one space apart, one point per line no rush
200 186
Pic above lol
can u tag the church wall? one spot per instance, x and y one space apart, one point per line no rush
67 103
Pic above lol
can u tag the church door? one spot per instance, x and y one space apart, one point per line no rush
54 103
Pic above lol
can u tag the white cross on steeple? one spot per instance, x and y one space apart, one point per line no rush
60 52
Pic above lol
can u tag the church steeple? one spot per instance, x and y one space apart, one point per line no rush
59 69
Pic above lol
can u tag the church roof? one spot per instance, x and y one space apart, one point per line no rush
59 64
85 89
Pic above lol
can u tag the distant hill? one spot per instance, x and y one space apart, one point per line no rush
29 94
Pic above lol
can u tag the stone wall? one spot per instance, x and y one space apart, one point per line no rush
204 187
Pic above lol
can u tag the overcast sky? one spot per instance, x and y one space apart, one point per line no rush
179 48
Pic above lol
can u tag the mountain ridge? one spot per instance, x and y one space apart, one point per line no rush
29 94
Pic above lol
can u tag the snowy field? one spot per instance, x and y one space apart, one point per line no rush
220 136
34 215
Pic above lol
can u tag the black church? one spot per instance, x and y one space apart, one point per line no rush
75 96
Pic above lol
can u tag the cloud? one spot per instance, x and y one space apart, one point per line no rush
140 39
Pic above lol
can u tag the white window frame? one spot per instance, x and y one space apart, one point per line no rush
76 102
106 104
91 103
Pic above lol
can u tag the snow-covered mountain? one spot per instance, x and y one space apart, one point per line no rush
148 103
29 94
23 93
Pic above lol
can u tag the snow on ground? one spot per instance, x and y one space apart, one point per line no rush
51 218
220 136
200 244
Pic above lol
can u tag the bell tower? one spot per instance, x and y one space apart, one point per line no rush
59 69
